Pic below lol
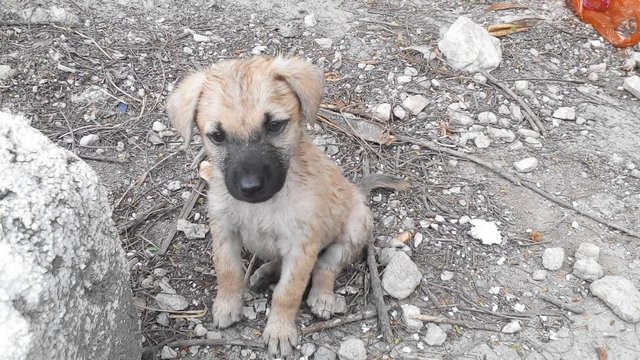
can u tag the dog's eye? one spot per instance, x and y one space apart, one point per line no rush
217 136
274 127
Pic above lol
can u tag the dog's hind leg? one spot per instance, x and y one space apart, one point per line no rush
265 275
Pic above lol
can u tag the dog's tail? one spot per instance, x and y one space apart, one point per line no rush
381 181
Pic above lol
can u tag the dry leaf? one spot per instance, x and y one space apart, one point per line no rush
366 130
505 6
602 353
535 236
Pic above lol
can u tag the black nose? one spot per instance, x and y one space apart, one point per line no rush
251 184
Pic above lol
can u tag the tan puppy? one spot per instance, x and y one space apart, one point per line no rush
270 189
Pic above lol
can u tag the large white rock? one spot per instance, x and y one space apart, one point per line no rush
64 291
468 46
401 276
620 295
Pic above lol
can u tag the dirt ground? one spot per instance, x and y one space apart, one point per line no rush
109 73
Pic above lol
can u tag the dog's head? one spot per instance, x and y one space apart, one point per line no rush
250 114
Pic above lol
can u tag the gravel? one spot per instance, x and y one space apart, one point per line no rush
192 231
173 302
565 113
526 165
513 327
324 43
435 336
485 231
168 353
415 103
539 275
89 140
632 85
401 276
587 251
588 269
352 349
200 330
409 311
553 258
620 295
324 353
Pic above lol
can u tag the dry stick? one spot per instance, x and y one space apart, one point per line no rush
204 342
143 178
186 210
376 287
330 324
434 147
533 119
561 305
103 159
444 320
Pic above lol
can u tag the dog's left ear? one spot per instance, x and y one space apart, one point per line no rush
183 103
306 81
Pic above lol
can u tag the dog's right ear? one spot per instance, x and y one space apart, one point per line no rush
182 104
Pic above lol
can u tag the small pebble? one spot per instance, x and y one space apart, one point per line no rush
539 275
512 327
553 258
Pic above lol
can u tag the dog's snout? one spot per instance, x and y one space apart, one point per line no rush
251 184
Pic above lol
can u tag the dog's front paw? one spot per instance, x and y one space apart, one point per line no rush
280 336
321 304
226 311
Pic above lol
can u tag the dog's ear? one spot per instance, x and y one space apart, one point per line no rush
183 103
306 81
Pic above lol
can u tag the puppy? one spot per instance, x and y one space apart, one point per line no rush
271 190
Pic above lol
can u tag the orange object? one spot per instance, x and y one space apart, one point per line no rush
608 16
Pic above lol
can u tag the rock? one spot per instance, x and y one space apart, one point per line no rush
598 68
526 165
588 269
415 103
628 65
410 71
516 145
403 79
487 117
159 272
51 14
521 85
512 327
635 173
163 319
539 275
200 38
504 110
260 306
324 353
93 95
587 251
249 313
65 291
168 353
324 43
399 112
435 335
260 49
89 140
632 85
381 111
553 258
6 72
174 185
192 231
408 311
214 335
310 20
458 118
528 133
533 142
352 349
340 306
593 77
173 302
308 349
620 295
468 46
158 126
417 240
446 276
482 141
200 330
401 276
485 231
516 112
565 113
505 135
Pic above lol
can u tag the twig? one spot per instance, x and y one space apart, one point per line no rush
330 324
443 320
103 159
561 305
186 210
432 146
549 80
203 342
73 136
142 178
140 218
533 119
247 273
378 297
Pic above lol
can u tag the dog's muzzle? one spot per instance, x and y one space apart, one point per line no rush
256 174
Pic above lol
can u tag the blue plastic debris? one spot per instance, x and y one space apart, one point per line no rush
121 107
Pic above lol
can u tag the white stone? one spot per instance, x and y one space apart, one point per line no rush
415 103
516 112
503 134
63 275
6 72
487 117
526 165
399 112
214 335
512 327
410 71
468 46
200 330
158 126
310 20
381 111
401 276
192 231
200 38
485 231
539 275
308 349
533 142
598 68
172 302
446 276
260 49
168 353
324 353
587 251
482 141
620 294
521 85
588 269
163 319
553 258
352 349
174 185
408 311
632 85
528 133
565 113
458 118
403 79
435 335
417 240
89 140
324 43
